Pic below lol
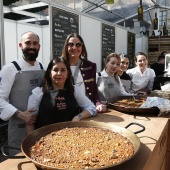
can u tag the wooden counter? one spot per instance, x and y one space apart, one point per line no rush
153 151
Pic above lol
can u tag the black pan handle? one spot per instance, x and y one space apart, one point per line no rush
134 123
4 152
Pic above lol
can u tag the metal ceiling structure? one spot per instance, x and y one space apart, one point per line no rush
122 12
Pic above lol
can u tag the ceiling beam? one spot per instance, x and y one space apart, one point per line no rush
93 7
20 10
29 6
154 2
31 20
133 15
23 7
35 16
29 14
105 9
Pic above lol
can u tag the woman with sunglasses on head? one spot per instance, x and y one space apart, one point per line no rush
57 100
108 81
125 78
83 71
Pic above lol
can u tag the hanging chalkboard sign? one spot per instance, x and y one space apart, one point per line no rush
108 41
131 49
63 24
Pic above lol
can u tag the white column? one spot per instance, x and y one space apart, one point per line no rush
2 44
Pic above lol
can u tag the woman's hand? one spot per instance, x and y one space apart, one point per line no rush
76 118
84 114
101 108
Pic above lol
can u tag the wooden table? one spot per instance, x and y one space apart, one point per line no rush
153 152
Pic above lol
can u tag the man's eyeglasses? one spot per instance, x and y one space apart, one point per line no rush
79 44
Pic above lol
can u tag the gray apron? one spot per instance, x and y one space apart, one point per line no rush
126 84
24 82
108 88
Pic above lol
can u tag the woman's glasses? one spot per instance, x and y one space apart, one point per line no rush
79 44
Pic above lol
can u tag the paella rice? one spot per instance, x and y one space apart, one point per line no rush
81 148
130 103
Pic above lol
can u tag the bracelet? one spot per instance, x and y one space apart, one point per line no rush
79 116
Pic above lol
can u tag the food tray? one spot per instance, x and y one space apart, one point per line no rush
131 109
160 93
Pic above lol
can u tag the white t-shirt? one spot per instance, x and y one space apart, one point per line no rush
79 82
141 80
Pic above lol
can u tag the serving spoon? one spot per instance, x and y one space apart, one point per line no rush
134 98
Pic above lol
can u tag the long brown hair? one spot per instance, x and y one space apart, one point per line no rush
65 53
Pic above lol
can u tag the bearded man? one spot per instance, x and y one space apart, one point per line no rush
17 79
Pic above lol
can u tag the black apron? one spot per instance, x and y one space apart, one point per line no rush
56 106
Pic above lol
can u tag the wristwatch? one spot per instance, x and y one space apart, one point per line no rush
80 116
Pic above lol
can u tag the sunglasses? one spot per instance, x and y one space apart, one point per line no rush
79 44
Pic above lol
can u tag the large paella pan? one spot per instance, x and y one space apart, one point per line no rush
38 134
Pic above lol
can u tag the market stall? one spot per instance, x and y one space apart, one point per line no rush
154 147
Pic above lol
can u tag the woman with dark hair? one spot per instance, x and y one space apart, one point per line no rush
57 100
124 64
142 77
125 78
108 81
83 70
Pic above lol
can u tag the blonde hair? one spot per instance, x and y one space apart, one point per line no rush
108 59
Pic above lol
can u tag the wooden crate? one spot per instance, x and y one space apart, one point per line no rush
155 47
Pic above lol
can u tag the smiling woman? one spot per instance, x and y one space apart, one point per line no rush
57 100
125 78
108 82
83 71
142 77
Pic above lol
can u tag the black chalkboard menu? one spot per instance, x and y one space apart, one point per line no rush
108 41
131 49
63 24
